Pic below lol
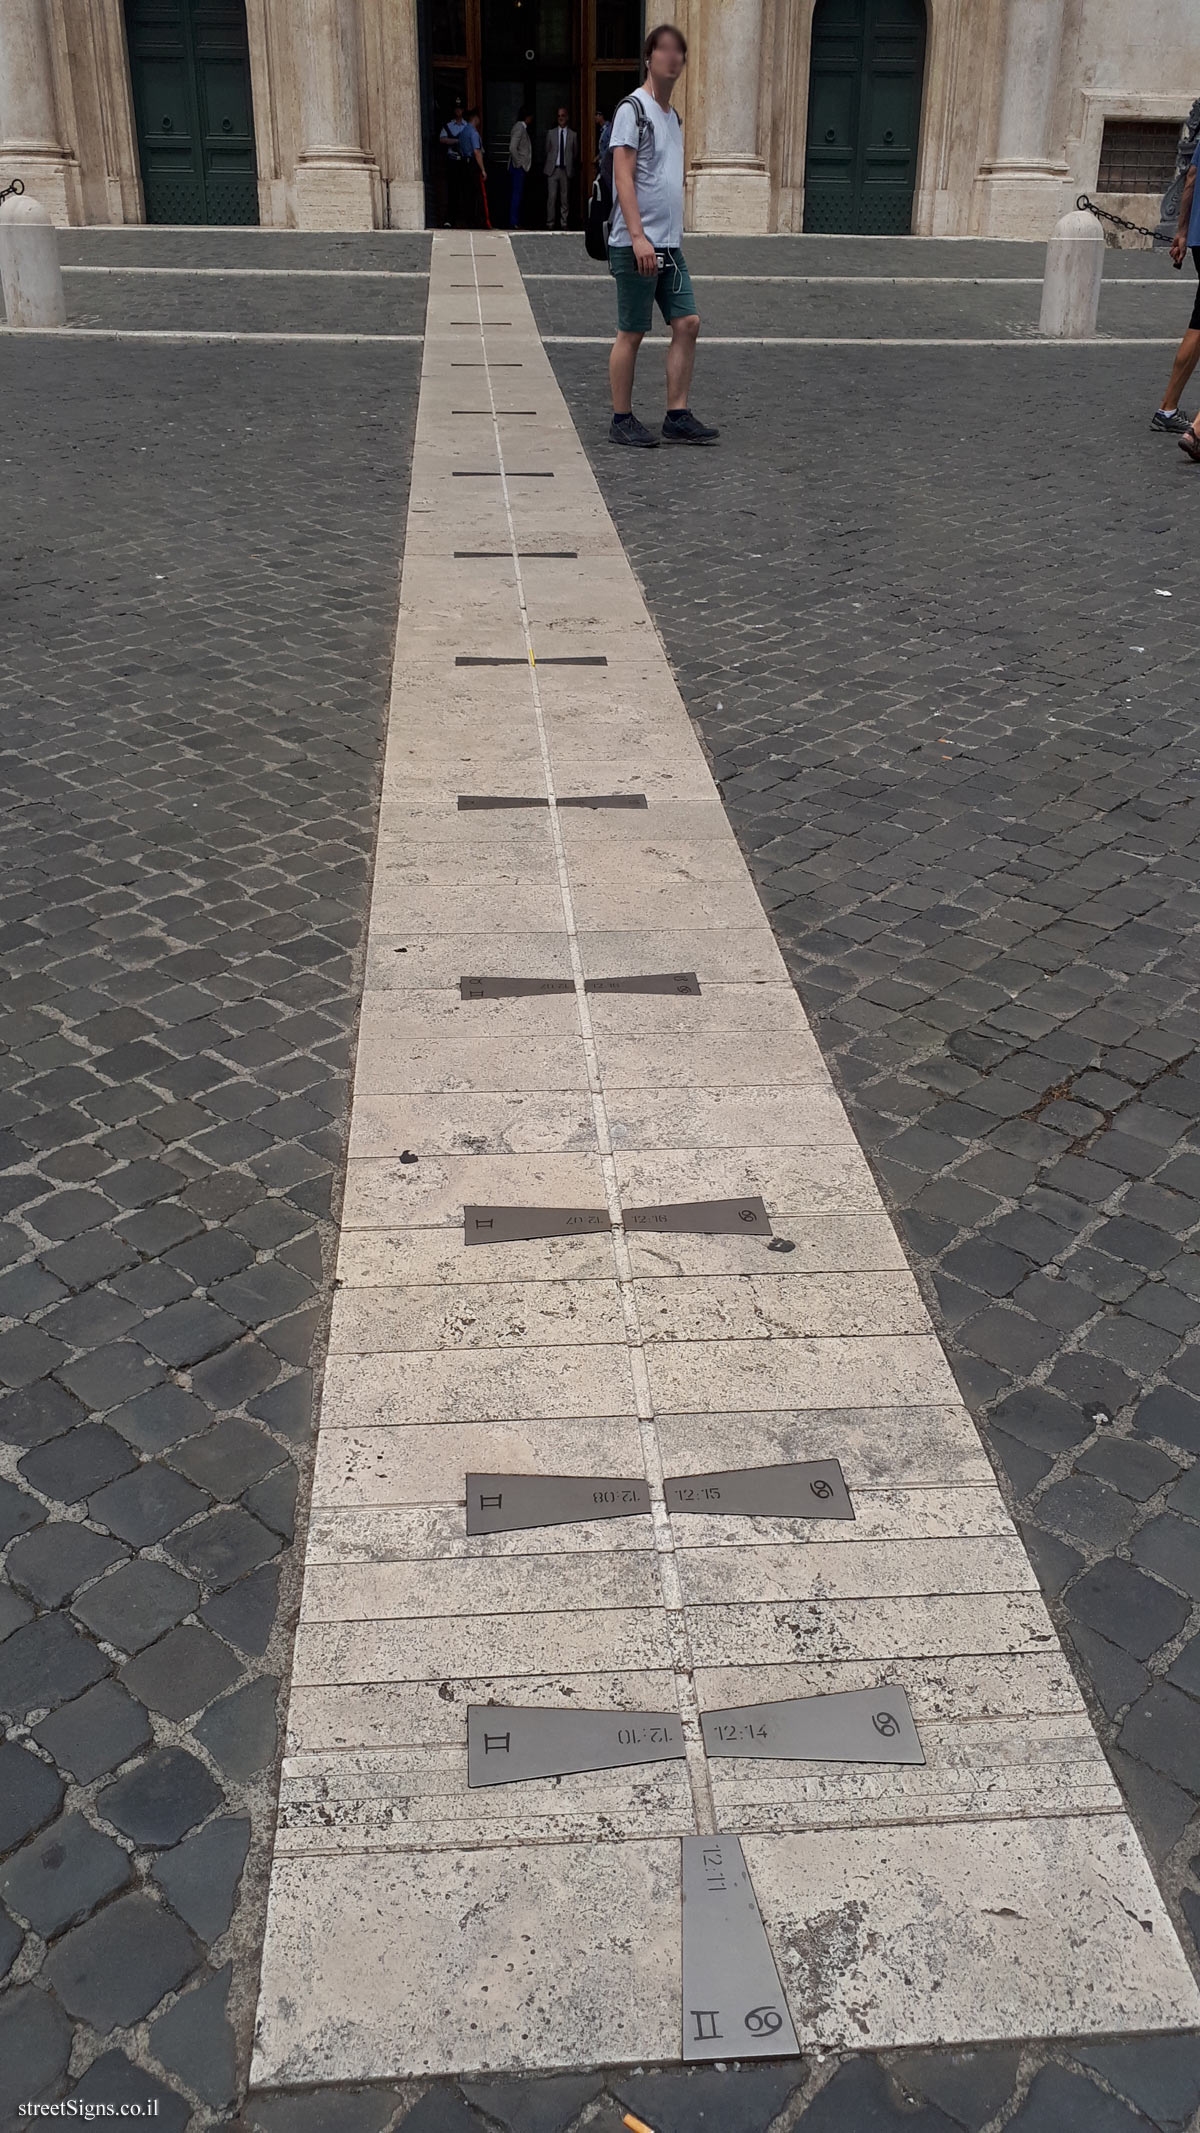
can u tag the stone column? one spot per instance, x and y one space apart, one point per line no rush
337 182
30 147
1021 192
730 185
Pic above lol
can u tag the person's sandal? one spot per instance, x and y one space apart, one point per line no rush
1190 443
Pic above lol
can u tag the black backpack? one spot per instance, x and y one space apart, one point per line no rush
600 206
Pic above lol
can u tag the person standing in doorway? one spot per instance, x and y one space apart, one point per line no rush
448 140
520 163
1170 415
562 155
470 148
644 248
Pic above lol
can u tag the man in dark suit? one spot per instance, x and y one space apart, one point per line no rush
562 157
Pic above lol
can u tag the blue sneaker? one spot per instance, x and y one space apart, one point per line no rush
1175 423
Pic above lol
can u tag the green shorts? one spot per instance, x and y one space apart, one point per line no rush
637 293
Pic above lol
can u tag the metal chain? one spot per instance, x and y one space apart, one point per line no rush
1118 221
7 191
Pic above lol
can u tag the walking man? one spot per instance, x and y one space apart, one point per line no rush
562 155
1170 415
645 236
520 163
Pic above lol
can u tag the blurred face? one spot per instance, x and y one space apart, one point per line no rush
667 60
562 114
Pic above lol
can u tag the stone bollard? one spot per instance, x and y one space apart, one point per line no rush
29 270
1074 270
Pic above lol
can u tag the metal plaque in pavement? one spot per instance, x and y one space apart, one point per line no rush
667 981
512 988
855 1726
746 1218
511 1503
809 1488
733 2005
508 1743
515 1225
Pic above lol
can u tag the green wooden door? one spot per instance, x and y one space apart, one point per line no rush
864 116
189 63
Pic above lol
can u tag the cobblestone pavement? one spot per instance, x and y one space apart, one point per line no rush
990 931
198 595
815 310
941 651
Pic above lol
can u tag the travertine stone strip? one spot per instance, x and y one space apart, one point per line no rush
664 1538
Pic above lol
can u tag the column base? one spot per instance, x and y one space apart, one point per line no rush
1021 202
730 199
406 204
53 181
336 195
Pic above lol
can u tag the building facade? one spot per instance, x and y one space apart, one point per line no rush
943 117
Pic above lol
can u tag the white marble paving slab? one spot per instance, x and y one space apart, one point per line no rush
499 1585
499 1314
897 1370
382 1192
440 1646
374 1970
426 1463
479 1385
418 1925
774 1307
970 1931
516 1122
383 1258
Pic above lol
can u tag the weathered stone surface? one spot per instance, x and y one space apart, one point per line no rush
194 2040
200 1876
240 1732
35 2044
63 1874
115 1968
96 1733
159 1801
30 1793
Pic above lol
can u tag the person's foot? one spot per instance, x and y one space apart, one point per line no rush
1190 443
626 429
682 427
1174 423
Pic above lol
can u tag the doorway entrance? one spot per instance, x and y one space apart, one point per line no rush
189 64
864 116
505 55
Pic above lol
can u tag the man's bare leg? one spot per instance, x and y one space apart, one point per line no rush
681 361
621 365
1185 363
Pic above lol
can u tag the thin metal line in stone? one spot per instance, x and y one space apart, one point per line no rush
491 474
683 1664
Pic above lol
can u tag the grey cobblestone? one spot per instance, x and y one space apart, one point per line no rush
63 1875
196 683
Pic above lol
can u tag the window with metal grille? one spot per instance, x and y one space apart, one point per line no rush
1138 155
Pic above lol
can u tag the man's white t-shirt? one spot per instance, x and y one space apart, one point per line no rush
658 176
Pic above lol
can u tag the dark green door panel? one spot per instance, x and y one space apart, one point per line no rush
864 116
189 63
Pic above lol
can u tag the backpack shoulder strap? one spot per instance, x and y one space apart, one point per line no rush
643 123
